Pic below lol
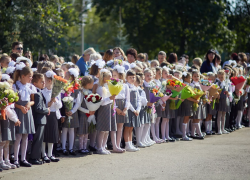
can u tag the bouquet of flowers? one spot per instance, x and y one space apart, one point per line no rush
166 92
237 96
93 102
118 62
70 88
176 87
239 82
154 96
115 86
58 84
7 97
68 102
187 92
197 96
205 85
214 91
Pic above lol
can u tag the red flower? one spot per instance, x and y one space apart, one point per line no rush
91 96
97 98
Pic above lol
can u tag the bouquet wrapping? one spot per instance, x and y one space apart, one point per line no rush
115 86
187 92
205 85
93 102
58 84
176 87
68 102
197 96
214 91
7 97
239 82
154 96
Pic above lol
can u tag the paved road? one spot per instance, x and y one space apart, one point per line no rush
217 157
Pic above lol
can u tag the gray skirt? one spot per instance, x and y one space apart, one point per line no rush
134 121
73 122
210 110
8 130
83 123
143 115
27 122
201 112
160 112
223 105
185 109
105 121
120 103
51 132
170 114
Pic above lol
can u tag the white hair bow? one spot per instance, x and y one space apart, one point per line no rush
120 69
12 64
132 65
20 66
10 70
24 58
74 72
184 74
50 74
5 77
104 70
100 63
34 69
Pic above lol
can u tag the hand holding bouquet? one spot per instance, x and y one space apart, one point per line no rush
68 102
187 92
214 92
93 102
176 88
7 97
58 84
197 96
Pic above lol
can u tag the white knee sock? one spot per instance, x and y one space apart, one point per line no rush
210 125
138 135
50 149
71 138
219 116
81 137
157 127
100 136
207 124
223 119
1 150
105 138
43 149
17 145
6 151
85 141
193 129
24 145
145 133
163 128
167 130
153 131
113 139
118 136
184 129
198 128
64 137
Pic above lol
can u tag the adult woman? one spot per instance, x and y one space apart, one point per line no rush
208 64
118 53
28 55
74 58
108 55
173 58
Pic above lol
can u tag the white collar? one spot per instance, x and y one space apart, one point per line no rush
24 91
130 85
147 84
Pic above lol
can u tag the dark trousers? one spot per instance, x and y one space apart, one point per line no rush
36 147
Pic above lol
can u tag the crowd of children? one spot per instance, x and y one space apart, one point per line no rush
42 122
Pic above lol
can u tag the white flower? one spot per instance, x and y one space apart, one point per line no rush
5 77
85 93
70 98
6 85
93 99
164 83
65 99
1 85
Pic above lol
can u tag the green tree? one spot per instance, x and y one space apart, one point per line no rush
182 26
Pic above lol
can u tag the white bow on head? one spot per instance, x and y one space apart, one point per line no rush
20 66
12 64
50 74
184 74
132 65
120 69
74 72
5 77
104 70
10 70
24 58
100 63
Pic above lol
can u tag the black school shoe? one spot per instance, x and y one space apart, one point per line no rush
35 162
72 152
92 148
53 159
198 137
65 152
16 163
46 159
24 163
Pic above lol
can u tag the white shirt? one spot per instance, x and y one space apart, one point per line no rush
197 84
10 113
230 88
158 83
143 98
55 106
77 102
84 92
25 90
124 94
104 92
134 88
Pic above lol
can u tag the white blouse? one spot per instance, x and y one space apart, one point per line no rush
124 94
134 88
10 113
77 102
193 84
143 98
104 92
158 83
25 90
55 106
